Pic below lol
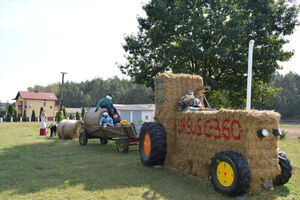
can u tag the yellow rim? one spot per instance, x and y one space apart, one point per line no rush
225 174
147 144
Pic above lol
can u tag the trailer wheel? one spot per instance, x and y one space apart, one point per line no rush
286 169
103 141
122 145
83 139
152 144
230 173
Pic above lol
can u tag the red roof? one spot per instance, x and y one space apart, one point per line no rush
36 95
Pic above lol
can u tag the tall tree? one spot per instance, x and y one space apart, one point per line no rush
210 38
82 112
24 117
33 116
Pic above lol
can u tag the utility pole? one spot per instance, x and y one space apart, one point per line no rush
62 90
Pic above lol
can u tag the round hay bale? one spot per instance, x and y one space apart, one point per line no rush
71 129
60 127
92 118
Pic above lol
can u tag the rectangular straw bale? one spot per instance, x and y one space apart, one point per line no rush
199 137
168 90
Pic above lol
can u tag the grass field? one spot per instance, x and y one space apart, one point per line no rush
38 167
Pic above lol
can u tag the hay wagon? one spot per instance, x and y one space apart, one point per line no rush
125 135
235 149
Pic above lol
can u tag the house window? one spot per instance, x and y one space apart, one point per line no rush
51 107
45 104
25 104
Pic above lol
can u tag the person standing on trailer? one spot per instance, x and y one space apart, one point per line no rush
106 102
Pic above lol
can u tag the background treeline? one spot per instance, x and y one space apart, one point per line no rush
287 101
88 93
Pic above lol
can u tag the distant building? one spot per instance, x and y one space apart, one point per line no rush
30 101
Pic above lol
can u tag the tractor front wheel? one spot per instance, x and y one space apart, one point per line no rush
286 169
122 145
230 173
83 139
152 144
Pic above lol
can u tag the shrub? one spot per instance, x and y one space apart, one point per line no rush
283 135
15 116
71 116
24 117
59 116
33 116
41 111
82 112
77 116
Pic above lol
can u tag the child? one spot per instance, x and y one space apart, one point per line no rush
106 120
53 130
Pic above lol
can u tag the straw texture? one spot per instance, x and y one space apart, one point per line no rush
92 118
70 129
194 137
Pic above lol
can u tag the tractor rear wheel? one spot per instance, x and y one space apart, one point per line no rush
103 141
122 145
286 169
230 173
83 139
152 144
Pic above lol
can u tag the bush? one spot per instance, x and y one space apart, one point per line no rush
33 116
283 135
15 116
77 116
64 112
24 117
41 111
82 112
71 116
59 116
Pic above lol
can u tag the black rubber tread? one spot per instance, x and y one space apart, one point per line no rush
83 134
286 169
241 169
158 149
126 145
103 141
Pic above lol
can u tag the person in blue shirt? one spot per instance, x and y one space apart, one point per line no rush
106 120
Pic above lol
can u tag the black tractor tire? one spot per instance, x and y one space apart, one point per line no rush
240 169
83 138
286 169
156 154
122 145
103 141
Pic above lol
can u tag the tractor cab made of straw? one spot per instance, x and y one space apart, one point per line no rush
235 149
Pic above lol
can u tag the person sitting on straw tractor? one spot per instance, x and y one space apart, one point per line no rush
106 120
106 102
116 119
189 102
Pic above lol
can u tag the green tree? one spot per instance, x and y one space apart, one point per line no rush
15 116
82 112
64 112
71 116
77 116
41 111
59 116
210 38
24 117
33 116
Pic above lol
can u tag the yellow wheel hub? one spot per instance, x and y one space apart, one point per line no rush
225 174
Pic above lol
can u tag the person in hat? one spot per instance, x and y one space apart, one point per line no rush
189 102
43 125
106 102
106 120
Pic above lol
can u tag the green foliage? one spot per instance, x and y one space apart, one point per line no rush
210 38
33 116
64 112
71 116
15 116
283 135
41 111
10 110
88 93
59 116
82 112
77 116
24 117
287 98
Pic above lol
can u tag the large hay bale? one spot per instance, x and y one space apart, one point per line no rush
71 129
92 118
60 127
194 137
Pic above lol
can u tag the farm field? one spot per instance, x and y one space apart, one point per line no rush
38 167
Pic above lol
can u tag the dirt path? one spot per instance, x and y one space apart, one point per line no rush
292 132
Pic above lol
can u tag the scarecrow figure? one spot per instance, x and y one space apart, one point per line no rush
190 102
106 120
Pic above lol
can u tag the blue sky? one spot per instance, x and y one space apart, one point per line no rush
41 38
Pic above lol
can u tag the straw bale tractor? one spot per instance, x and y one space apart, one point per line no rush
235 149
125 135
